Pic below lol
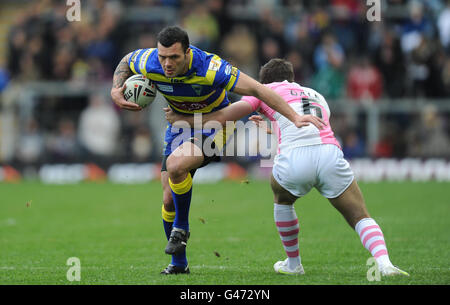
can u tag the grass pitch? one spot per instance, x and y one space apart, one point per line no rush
116 232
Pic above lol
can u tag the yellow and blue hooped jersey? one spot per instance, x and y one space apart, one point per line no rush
202 89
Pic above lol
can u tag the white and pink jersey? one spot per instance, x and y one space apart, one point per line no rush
304 101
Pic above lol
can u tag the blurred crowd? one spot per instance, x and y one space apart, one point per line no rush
332 45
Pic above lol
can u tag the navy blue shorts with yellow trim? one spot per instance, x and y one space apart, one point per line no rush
211 142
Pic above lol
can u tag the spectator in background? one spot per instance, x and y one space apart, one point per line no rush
389 59
270 48
302 69
429 137
31 145
415 27
384 148
328 58
63 63
445 77
353 146
99 128
296 35
142 147
240 48
202 27
420 68
329 53
146 40
345 13
364 81
4 78
63 146
443 24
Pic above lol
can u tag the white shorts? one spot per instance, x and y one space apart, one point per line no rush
323 166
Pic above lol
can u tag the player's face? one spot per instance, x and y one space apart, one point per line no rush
173 60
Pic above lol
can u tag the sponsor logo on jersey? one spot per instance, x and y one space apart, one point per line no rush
165 88
234 71
143 59
133 58
197 89
228 69
189 106
214 65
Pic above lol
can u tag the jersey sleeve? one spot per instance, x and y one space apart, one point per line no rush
253 101
138 61
226 75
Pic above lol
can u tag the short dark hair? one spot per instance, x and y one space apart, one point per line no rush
276 70
173 34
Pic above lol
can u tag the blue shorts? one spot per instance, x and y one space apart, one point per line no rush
211 142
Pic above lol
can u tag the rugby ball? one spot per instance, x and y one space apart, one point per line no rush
139 90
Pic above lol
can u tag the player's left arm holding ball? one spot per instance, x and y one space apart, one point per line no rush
121 74
247 86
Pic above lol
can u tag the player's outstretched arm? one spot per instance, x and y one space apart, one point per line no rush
248 86
233 113
121 74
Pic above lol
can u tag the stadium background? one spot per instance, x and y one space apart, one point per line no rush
387 82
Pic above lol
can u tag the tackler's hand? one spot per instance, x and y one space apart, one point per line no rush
259 121
305 120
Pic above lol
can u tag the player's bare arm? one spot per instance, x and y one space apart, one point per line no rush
248 86
121 74
233 112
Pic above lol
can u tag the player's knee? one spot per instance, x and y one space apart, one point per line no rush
176 167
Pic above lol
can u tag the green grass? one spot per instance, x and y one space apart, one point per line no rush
116 232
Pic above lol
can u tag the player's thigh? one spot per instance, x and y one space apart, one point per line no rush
351 204
281 195
184 158
294 171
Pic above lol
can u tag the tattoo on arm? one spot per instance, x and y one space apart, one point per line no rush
122 72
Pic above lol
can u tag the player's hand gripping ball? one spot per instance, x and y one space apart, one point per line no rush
139 90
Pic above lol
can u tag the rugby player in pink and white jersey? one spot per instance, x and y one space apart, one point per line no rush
307 157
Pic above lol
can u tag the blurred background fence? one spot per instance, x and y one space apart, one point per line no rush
387 82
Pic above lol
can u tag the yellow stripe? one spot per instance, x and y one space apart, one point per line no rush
193 79
132 67
230 83
192 58
222 136
145 64
167 216
182 187
203 110
182 99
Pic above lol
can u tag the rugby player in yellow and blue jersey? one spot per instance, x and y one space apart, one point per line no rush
192 81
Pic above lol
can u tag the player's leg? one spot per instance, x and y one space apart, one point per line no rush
287 225
337 183
168 209
183 159
352 206
179 262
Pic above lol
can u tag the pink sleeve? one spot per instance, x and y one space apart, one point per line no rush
253 101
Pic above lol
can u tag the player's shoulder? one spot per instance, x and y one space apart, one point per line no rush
145 60
204 61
